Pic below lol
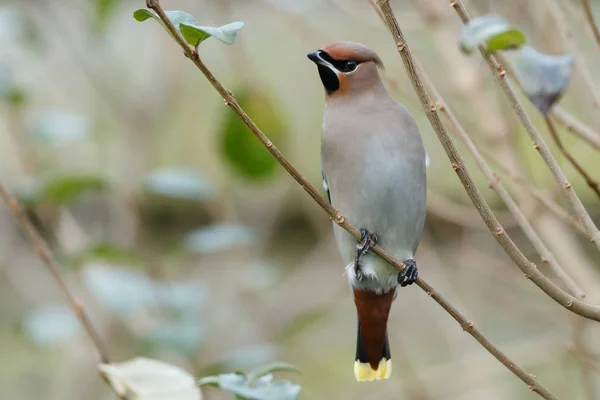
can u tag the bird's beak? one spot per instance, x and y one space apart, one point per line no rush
315 57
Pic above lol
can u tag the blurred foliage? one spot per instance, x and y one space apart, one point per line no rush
52 325
112 253
258 384
543 78
239 146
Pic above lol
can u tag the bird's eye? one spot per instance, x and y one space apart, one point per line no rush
350 66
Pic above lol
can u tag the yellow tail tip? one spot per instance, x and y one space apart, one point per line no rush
363 371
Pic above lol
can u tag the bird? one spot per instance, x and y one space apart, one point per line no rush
374 173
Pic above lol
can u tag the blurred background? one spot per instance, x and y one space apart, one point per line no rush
186 242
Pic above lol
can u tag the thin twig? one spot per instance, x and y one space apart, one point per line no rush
538 142
582 356
41 249
593 184
468 326
495 184
552 206
587 7
576 127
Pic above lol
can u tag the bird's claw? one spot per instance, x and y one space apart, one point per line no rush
367 239
409 274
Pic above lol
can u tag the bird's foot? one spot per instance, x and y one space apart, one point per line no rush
409 274
367 239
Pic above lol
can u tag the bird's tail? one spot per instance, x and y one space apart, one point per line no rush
373 359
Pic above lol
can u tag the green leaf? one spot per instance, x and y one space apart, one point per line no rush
543 77
66 189
176 18
142 14
9 89
492 31
268 369
195 34
239 147
104 9
208 380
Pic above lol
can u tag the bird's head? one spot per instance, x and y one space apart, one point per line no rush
347 68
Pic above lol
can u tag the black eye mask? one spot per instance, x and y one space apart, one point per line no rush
345 66
329 77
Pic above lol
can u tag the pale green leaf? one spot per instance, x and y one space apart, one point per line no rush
142 14
208 380
148 379
543 77
195 34
268 369
64 190
492 31
264 389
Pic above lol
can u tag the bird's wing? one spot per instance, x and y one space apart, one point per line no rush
325 186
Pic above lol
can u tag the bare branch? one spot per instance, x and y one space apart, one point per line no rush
536 193
41 249
576 127
587 7
495 184
538 142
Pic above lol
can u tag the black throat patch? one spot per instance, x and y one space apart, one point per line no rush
329 79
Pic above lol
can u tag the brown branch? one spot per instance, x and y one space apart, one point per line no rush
587 7
468 326
41 249
536 193
538 142
593 184
495 184
576 127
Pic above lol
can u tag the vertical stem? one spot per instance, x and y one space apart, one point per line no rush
587 7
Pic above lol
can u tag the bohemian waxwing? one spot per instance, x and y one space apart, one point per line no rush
373 164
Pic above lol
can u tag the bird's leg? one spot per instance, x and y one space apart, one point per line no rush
367 239
409 274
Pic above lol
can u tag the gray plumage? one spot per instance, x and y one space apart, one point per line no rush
373 164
